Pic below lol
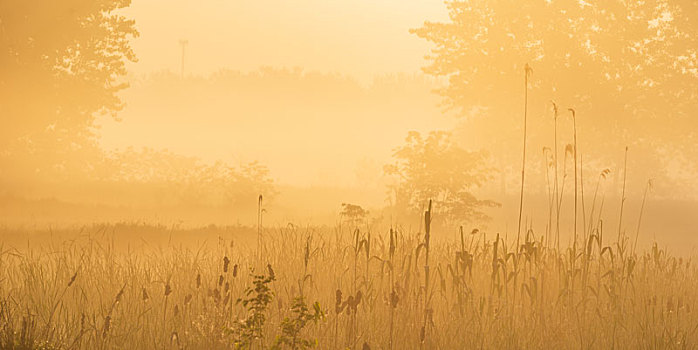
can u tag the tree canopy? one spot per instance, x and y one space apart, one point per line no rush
61 64
629 68
436 168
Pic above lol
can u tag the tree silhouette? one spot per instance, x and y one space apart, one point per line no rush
353 214
629 68
61 65
436 168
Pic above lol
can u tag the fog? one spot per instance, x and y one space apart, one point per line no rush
348 174
184 112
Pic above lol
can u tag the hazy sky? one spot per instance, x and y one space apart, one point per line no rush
357 37
361 39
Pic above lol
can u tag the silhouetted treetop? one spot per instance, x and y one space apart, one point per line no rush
434 167
60 64
641 52
629 68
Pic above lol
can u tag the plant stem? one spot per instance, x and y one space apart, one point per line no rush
527 71
642 208
574 123
259 232
622 197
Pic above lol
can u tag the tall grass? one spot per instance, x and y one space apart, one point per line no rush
478 291
472 293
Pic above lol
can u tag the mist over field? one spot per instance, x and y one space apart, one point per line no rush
336 174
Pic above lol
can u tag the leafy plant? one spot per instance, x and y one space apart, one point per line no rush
256 302
291 327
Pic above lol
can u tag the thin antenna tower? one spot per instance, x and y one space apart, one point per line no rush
183 43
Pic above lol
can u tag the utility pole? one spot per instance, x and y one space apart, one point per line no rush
183 43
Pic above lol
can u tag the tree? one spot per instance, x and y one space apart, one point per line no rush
436 168
61 64
353 214
629 68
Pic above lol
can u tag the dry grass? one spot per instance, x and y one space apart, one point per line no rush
85 294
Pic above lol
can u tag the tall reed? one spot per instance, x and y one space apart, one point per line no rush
527 72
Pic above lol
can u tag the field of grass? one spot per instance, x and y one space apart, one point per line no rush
341 288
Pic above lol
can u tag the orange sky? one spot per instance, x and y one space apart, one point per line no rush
361 39
357 37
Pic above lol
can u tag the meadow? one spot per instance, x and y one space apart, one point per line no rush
133 286
457 135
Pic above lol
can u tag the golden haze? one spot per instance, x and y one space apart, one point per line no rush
270 174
